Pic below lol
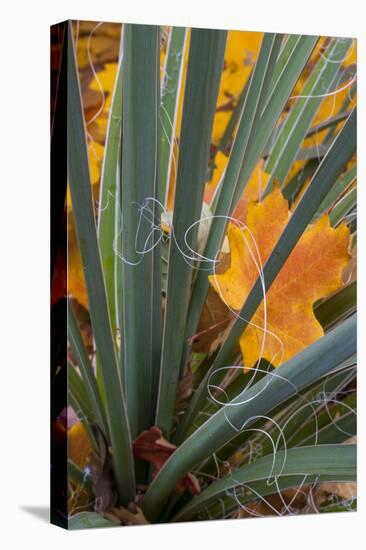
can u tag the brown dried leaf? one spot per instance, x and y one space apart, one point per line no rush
152 447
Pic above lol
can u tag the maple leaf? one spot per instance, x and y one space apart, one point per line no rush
241 52
152 447
312 271
79 445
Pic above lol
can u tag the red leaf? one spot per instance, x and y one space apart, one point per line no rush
152 447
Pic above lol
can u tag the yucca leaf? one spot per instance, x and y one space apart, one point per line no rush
334 462
328 123
352 88
256 96
141 302
289 42
286 51
308 366
312 411
77 388
82 414
343 182
332 165
79 477
170 91
258 491
278 97
298 121
242 162
83 210
291 190
292 408
308 407
109 201
206 56
270 76
344 206
86 370
335 425
309 153
336 307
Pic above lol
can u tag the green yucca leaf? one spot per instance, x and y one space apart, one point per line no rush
170 91
308 366
287 48
206 56
270 76
79 477
305 406
238 172
291 190
278 97
337 424
258 490
109 203
344 107
86 370
298 122
332 165
308 405
290 41
344 207
141 302
82 414
293 409
312 411
338 306
256 96
343 182
328 123
82 203
77 388
309 153
335 462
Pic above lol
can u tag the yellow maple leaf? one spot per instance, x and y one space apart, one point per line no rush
75 274
313 270
78 445
240 55
255 186
95 156
103 84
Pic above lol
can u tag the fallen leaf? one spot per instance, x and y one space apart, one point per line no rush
253 189
95 156
79 445
347 490
214 320
152 447
103 43
75 281
241 52
312 271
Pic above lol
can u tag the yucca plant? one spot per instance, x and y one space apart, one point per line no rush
178 435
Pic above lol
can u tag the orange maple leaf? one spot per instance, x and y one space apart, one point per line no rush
312 271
